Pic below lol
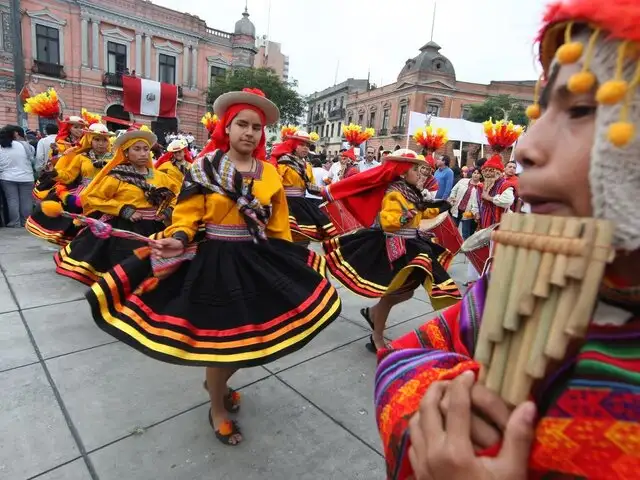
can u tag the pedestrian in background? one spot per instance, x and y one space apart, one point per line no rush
17 165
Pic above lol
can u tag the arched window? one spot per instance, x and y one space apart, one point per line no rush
117 111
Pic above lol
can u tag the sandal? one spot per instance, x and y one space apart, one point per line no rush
367 316
225 431
231 399
371 346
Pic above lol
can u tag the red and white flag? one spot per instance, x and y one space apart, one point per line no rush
148 97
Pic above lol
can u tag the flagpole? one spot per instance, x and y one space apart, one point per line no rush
433 20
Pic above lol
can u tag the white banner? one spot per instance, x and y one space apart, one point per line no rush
457 128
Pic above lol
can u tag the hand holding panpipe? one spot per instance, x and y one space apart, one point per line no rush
542 292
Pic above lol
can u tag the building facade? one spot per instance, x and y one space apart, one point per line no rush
426 84
83 47
328 112
270 56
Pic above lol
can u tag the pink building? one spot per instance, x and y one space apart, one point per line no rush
82 47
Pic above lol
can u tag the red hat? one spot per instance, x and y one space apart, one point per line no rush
494 162
350 154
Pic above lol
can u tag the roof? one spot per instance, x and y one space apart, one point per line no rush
429 60
244 26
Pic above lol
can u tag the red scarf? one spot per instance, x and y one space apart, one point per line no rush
362 193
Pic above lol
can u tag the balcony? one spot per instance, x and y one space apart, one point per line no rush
383 132
48 69
319 117
398 131
336 114
112 80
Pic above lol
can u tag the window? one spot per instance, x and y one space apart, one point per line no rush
322 131
385 119
217 72
335 102
361 119
350 120
324 106
47 44
341 102
116 57
402 118
372 119
433 109
167 69
339 132
466 112
332 129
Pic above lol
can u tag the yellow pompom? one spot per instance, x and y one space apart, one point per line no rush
621 133
533 111
569 53
581 82
612 92
51 208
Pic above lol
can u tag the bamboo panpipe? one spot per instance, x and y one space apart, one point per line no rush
542 292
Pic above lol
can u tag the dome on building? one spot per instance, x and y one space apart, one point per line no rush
429 61
244 26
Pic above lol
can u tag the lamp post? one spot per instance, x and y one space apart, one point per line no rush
18 60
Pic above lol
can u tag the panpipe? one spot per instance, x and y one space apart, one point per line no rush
545 277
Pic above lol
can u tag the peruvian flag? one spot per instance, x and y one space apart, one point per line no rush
148 97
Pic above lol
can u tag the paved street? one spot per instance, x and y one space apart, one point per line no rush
77 405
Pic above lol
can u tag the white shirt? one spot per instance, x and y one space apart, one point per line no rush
15 165
190 139
319 175
334 171
42 151
363 165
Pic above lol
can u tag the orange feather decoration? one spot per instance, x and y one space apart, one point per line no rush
355 135
45 104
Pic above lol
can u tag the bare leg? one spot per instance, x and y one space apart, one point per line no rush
217 384
380 312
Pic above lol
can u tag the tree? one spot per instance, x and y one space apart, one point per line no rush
279 92
501 107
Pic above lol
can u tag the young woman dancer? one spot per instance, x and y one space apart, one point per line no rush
392 258
128 194
176 161
580 158
244 296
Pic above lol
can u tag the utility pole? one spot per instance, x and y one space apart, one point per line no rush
18 60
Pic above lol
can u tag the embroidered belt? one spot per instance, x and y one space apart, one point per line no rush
404 233
294 192
83 184
228 233
148 213
395 242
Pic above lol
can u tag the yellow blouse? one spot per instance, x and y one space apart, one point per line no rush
394 206
80 165
220 210
112 194
173 172
290 177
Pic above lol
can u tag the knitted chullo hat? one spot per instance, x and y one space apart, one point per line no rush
604 40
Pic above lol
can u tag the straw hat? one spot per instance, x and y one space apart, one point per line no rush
300 135
251 97
405 155
177 145
99 130
147 135
75 120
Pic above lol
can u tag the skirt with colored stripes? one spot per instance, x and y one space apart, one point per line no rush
372 264
234 304
307 221
88 257
57 230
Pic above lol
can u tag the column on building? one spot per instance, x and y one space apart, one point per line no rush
194 68
185 65
95 44
138 53
147 56
84 34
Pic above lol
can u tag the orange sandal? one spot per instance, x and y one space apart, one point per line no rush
225 431
231 399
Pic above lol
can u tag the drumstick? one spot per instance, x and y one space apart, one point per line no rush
511 319
491 320
527 300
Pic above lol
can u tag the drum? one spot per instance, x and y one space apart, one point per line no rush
477 248
445 232
340 216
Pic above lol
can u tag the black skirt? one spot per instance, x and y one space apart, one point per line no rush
360 261
307 221
88 257
235 304
57 230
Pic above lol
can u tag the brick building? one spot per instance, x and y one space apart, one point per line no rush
426 84
270 56
82 47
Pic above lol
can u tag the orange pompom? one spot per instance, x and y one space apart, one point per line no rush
581 82
612 92
533 111
569 53
621 133
51 208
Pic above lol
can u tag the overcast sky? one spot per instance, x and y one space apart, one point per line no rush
486 40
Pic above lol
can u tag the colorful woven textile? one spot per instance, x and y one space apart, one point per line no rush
590 425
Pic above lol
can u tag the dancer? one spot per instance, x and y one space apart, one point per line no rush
176 161
580 158
307 221
429 185
392 258
127 193
494 197
347 168
461 195
246 295
71 178
511 177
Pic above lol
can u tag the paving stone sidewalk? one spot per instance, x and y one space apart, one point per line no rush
77 405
